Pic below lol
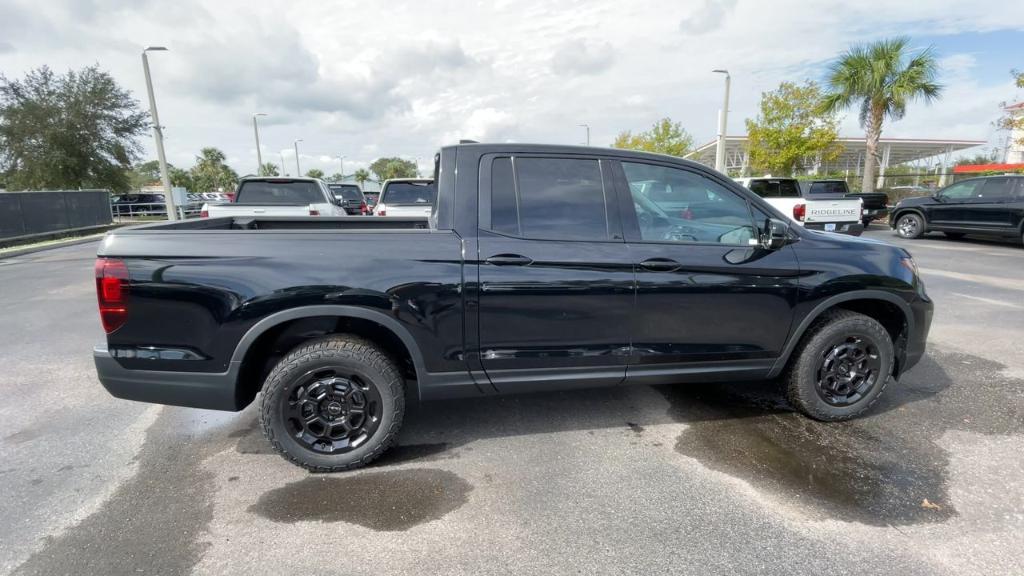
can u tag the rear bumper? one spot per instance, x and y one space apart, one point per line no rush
876 213
215 391
849 228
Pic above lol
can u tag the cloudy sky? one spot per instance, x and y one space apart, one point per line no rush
365 79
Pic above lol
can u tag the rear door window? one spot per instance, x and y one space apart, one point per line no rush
549 198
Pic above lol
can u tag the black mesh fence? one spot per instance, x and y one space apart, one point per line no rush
25 213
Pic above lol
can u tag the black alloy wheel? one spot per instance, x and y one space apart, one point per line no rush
332 411
848 370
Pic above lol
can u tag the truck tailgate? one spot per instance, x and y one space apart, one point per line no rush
216 210
833 211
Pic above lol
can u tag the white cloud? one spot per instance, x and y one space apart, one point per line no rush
365 80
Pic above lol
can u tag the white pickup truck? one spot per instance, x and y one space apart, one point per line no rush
272 196
824 212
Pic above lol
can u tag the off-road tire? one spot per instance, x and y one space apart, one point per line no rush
352 352
801 378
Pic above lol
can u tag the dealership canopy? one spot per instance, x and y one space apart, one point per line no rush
919 151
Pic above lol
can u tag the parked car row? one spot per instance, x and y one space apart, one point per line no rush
276 196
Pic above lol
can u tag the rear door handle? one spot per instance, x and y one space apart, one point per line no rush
661 265
509 260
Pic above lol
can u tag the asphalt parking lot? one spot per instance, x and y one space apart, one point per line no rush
683 479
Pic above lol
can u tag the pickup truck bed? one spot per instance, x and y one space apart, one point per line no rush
540 268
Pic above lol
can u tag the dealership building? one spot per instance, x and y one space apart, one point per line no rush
935 155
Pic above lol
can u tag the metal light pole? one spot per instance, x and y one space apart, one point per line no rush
281 154
341 160
298 171
158 135
587 126
723 117
259 155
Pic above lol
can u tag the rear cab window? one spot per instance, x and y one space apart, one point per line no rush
547 198
828 187
346 192
279 192
409 194
775 188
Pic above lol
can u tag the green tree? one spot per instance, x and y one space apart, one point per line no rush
315 173
269 169
148 174
211 173
664 137
881 78
989 158
77 130
361 176
388 168
791 129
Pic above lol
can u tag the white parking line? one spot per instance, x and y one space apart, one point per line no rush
989 301
994 281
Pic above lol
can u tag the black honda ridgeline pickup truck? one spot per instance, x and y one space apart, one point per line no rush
540 268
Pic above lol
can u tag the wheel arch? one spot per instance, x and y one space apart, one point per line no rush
896 216
254 356
877 304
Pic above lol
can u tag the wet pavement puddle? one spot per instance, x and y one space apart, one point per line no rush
392 500
882 469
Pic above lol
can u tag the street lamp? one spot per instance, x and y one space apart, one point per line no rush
158 135
341 160
298 171
722 122
587 126
281 154
259 155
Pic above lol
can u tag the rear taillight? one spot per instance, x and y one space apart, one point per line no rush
112 292
313 212
204 213
362 208
799 212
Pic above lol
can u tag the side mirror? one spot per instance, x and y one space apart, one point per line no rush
775 235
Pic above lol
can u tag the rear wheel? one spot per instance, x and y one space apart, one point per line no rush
909 225
866 222
841 366
333 404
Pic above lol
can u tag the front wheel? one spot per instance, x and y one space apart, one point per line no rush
841 366
910 226
333 404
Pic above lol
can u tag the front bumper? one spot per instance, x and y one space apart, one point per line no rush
922 309
848 228
215 391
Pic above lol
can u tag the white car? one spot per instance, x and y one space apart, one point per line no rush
830 214
406 197
273 196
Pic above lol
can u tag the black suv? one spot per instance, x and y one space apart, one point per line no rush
988 206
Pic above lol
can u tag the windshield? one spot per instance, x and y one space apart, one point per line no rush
829 187
346 192
279 192
781 188
413 193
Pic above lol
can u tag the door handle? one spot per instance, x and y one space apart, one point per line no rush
661 265
509 260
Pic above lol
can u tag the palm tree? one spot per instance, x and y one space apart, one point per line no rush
882 78
269 169
361 176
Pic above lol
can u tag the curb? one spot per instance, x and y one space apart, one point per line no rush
61 244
